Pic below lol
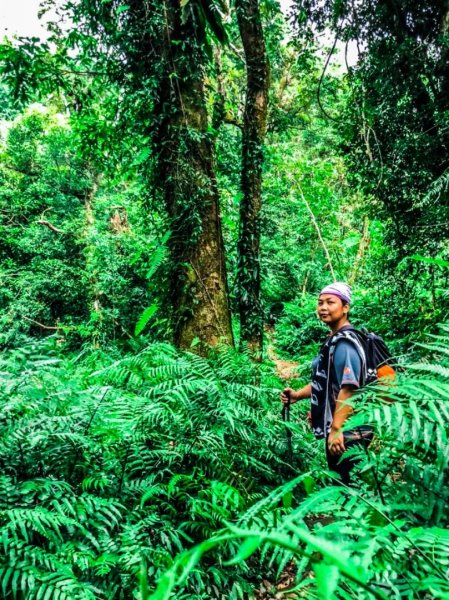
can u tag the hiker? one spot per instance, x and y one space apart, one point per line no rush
337 372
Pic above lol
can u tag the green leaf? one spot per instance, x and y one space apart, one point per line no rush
144 318
143 577
287 499
430 261
326 577
214 20
248 547
309 484
142 156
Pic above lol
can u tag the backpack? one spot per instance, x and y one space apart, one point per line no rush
380 364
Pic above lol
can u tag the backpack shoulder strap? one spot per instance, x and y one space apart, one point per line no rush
357 339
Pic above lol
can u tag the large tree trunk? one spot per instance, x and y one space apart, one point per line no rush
185 177
254 128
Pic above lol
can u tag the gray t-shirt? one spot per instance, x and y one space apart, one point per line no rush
345 368
347 365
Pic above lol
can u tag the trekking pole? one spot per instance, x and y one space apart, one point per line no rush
286 419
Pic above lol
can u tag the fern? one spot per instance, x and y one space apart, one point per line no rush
388 540
132 460
136 461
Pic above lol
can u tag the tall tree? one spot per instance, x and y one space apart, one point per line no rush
253 132
186 178
157 54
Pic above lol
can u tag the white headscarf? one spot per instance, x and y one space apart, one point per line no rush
340 289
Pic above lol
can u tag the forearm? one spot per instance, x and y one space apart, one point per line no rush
342 408
303 393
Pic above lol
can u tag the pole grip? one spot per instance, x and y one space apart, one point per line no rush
286 409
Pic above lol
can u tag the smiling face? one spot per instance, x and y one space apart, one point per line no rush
332 311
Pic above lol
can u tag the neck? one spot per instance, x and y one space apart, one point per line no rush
339 324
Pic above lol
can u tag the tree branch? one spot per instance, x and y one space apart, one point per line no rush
317 227
48 327
49 225
231 120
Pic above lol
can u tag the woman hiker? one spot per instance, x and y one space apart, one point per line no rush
337 372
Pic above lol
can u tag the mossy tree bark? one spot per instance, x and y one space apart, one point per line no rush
157 52
254 128
185 177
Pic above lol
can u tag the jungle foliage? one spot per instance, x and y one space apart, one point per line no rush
386 539
113 467
395 128
177 175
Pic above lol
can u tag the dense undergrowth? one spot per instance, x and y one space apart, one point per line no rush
385 538
110 470
108 466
